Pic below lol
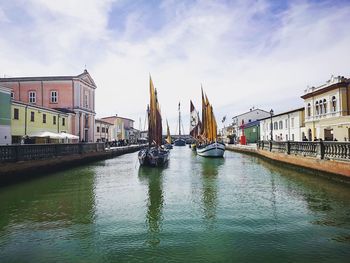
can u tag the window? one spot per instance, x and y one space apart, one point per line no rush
286 124
32 97
280 125
334 104
324 106
44 118
63 121
85 100
292 122
54 96
106 130
292 136
275 125
321 107
308 109
32 116
54 120
317 108
12 95
286 137
103 129
15 114
98 129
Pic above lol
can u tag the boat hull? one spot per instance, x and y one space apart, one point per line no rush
180 142
211 150
153 157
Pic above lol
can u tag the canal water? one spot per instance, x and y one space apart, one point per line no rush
236 209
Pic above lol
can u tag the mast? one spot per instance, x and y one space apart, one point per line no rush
179 121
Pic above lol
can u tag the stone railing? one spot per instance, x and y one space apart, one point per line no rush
320 149
26 152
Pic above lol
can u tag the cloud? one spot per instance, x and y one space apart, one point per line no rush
245 53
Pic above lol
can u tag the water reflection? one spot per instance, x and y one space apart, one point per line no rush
154 217
209 171
45 200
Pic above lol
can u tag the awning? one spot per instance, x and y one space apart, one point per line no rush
47 134
69 136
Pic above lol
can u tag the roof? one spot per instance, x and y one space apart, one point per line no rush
65 110
117 117
283 113
331 84
102 121
249 112
38 107
49 78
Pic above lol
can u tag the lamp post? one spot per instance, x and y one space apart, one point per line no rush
271 113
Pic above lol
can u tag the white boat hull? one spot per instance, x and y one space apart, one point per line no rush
211 150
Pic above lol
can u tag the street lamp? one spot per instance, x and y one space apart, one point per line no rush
271 113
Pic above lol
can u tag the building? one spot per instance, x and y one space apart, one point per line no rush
63 93
28 120
251 131
120 127
327 110
285 126
102 130
245 118
5 115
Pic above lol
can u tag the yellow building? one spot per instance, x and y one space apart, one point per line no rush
29 120
327 110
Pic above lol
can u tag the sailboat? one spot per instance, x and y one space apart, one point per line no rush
180 141
168 144
154 154
195 126
209 145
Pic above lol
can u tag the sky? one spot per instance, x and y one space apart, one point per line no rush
245 53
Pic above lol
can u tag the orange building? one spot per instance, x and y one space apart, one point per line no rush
73 94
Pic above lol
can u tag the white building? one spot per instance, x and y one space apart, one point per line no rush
247 117
286 126
102 130
327 110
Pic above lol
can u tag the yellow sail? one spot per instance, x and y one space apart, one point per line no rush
168 138
209 125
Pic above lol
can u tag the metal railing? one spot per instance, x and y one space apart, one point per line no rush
321 149
26 152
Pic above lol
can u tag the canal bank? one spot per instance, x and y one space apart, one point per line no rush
27 161
306 156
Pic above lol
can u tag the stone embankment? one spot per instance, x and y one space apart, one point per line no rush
325 157
26 161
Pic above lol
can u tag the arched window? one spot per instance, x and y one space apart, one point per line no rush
280 125
321 107
317 108
275 125
324 106
334 104
308 109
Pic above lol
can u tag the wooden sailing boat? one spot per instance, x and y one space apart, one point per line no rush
180 141
154 154
168 144
195 125
209 146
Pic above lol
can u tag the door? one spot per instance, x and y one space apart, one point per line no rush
328 134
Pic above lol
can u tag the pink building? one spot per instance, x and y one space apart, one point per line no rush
70 94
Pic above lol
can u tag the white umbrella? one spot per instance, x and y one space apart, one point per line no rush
69 136
47 134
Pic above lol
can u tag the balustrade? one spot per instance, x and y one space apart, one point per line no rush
26 152
320 149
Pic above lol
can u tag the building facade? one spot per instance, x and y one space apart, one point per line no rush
245 118
327 110
5 116
102 130
285 126
27 120
63 93
121 128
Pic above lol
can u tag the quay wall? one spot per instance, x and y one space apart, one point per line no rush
15 170
311 163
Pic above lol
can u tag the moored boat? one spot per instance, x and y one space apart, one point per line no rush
154 154
180 141
168 144
208 145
